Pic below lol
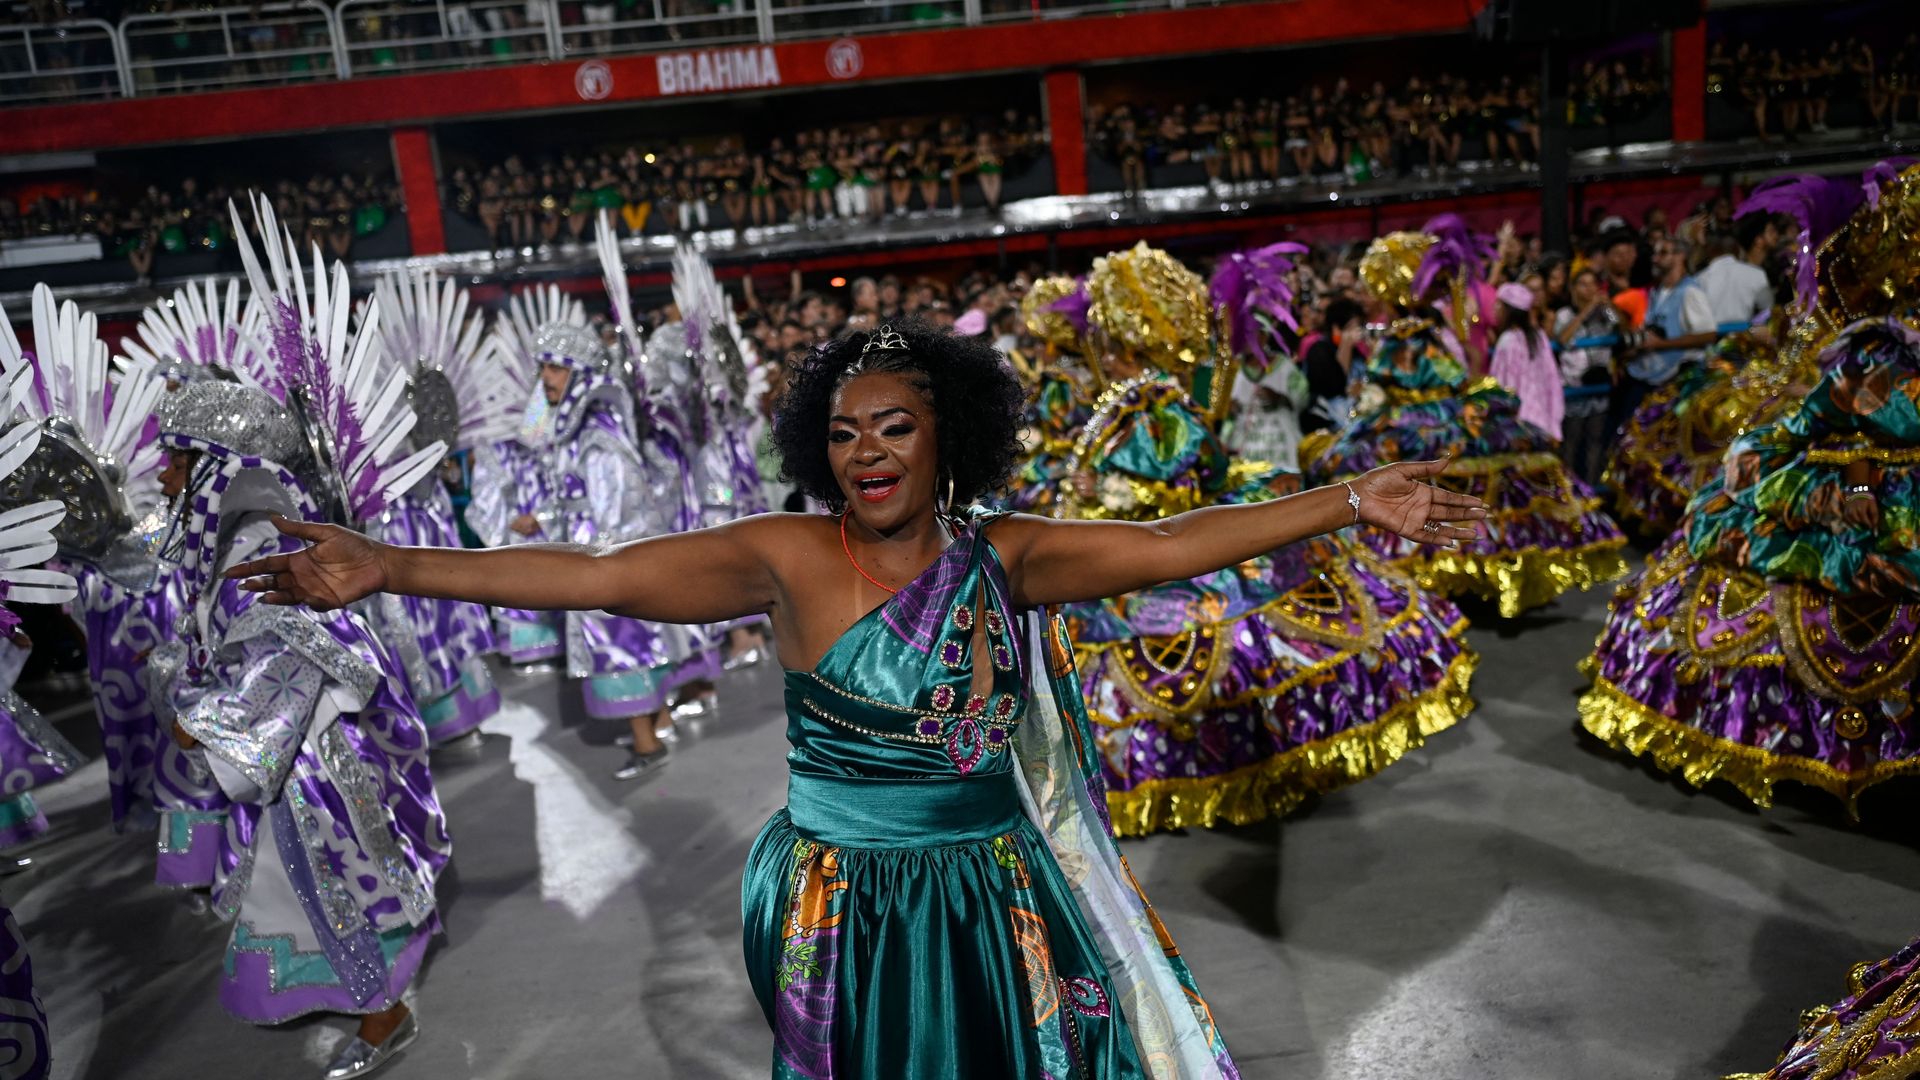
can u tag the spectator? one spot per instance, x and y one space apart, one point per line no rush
1329 365
1736 281
1523 360
1679 325
1587 370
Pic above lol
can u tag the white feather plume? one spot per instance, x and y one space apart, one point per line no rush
424 325
614 273
356 402
204 325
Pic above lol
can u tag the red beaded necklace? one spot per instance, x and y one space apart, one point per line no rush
848 548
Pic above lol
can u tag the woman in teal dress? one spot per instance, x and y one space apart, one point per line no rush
942 897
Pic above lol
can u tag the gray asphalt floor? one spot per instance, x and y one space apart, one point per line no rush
1511 901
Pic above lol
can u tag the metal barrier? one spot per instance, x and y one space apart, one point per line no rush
253 45
596 28
394 36
297 41
821 19
75 60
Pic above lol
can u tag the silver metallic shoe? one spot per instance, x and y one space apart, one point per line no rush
639 765
745 658
358 1058
693 708
15 864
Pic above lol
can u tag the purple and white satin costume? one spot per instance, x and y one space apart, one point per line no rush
32 753
442 644
122 625
336 838
507 482
608 489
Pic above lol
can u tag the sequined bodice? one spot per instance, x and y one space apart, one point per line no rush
894 695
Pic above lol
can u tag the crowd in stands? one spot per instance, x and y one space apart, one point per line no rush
849 173
1790 90
1345 134
1621 316
332 211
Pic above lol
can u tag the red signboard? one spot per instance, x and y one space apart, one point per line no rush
403 99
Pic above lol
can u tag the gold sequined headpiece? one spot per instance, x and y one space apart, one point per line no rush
1868 267
1149 304
1389 266
1050 326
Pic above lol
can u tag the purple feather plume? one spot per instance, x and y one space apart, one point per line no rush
1820 205
1074 306
1457 253
1882 173
301 363
1247 285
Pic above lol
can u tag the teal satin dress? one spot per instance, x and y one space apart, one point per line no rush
905 915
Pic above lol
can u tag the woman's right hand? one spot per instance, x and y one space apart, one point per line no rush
337 567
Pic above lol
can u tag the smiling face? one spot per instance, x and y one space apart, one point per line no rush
554 379
883 445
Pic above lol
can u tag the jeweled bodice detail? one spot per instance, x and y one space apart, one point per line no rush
895 697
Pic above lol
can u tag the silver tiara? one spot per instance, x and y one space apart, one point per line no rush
885 339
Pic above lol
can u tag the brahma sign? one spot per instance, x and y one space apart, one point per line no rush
713 71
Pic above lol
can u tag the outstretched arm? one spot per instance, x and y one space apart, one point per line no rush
1057 562
708 575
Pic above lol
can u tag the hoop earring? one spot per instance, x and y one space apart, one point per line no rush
950 506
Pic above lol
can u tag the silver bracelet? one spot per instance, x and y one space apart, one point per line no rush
1860 489
1353 500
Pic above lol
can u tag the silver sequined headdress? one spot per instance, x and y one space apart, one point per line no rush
250 457
26 531
92 426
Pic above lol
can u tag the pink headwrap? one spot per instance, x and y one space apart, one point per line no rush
1515 295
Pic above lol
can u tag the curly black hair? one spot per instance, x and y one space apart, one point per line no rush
976 397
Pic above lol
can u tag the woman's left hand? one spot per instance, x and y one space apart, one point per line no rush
1401 499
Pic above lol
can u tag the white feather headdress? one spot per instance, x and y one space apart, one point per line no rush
94 425
355 415
454 386
204 327
26 532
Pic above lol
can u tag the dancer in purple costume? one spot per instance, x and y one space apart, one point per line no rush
29 750
509 482
1776 635
336 838
457 396
721 381
1235 696
201 333
106 446
604 491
